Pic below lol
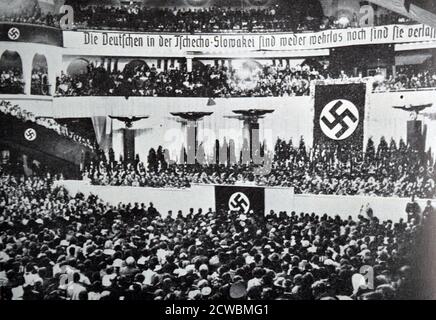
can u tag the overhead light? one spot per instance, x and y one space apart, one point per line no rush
211 102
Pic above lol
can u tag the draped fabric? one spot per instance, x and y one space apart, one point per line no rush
103 131
423 11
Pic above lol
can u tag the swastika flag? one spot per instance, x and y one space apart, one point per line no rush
339 114
241 199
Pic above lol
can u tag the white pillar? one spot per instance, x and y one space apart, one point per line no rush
55 66
246 128
27 59
189 64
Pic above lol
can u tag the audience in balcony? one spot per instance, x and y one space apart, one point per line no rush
408 77
11 82
214 19
221 81
40 85
8 108
208 81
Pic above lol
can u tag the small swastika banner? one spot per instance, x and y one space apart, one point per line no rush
240 198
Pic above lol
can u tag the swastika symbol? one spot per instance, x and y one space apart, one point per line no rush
239 201
339 119
30 134
14 33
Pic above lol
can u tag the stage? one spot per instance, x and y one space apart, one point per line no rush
270 198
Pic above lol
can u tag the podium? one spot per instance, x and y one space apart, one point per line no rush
416 135
129 144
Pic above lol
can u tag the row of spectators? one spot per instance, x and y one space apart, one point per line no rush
57 246
389 171
222 81
31 16
8 108
202 20
11 82
40 84
208 81
407 79
214 19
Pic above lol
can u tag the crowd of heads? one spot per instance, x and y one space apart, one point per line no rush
58 246
40 84
385 170
408 78
279 80
214 19
205 81
7 108
30 15
11 82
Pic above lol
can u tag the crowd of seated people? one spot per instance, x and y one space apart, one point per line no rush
222 81
214 19
11 82
32 15
208 81
40 84
58 246
8 108
408 78
387 171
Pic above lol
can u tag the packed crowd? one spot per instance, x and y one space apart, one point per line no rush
31 15
11 82
40 84
57 246
214 19
213 81
208 81
408 78
190 20
385 171
8 108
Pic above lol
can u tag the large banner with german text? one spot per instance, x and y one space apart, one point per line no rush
135 43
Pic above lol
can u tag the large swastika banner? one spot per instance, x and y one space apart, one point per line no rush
241 199
339 114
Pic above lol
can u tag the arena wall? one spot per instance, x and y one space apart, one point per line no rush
277 199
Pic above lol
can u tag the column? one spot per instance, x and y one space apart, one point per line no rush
189 64
27 60
191 141
191 119
250 130
54 64
129 144
109 65
246 134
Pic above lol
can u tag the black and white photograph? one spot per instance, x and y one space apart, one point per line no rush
188 152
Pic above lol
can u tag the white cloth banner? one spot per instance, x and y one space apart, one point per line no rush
116 43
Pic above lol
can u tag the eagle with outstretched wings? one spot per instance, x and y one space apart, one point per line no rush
128 121
414 108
